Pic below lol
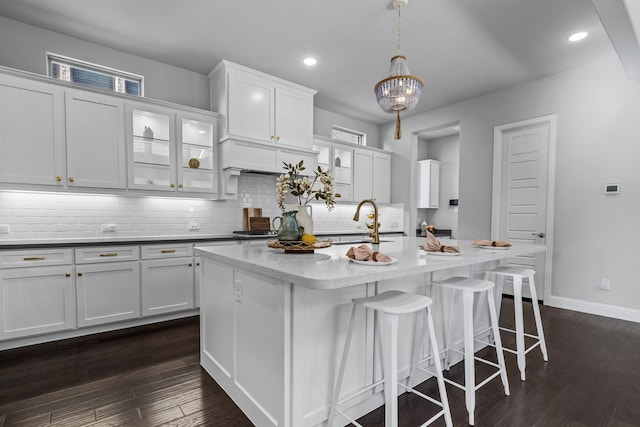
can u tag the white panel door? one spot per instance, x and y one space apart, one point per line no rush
31 132
362 172
36 300
381 177
95 141
167 285
251 106
108 292
294 118
524 191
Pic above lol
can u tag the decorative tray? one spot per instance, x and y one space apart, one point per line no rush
297 246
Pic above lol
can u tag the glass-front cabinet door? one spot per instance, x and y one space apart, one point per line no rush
343 172
151 153
197 159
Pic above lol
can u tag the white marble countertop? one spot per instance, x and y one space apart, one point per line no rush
329 268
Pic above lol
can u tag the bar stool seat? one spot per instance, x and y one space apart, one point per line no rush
388 306
518 274
469 287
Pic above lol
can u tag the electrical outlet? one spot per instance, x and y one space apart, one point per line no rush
394 224
237 287
108 228
5 229
605 284
194 226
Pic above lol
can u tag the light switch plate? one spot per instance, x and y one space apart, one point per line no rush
194 226
108 228
5 229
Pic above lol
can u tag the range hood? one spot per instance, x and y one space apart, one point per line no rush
237 155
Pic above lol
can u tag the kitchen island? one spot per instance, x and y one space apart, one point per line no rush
273 324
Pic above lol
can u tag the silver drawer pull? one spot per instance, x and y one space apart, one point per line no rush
168 251
34 258
110 254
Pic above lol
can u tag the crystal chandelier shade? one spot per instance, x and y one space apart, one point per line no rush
400 90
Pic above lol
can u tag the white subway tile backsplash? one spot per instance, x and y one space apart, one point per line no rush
60 215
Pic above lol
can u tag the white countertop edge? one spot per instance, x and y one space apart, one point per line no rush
338 272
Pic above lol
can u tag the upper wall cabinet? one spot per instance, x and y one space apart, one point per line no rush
428 184
372 175
262 108
267 121
95 140
32 134
171 151
338 159
57 137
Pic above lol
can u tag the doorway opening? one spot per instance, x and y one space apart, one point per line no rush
440 145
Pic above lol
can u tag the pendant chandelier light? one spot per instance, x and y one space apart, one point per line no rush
400 91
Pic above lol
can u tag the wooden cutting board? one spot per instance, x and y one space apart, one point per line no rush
261 223
248 213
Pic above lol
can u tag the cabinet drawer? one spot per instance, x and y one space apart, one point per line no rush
167 251
37 257
107 254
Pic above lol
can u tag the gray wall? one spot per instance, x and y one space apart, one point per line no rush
323 120
24 47
594 235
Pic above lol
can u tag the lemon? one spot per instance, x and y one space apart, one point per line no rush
309 239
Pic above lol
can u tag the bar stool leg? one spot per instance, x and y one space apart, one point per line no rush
390 369
536 313
469 361
343 363
520 349
498 342
436 357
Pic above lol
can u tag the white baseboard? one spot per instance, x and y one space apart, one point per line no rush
613 311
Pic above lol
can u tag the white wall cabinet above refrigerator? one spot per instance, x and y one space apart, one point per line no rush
428 184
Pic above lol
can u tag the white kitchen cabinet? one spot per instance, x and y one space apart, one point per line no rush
197 152
371 175
107 284
32 134
428 184
151 147
36 296
171 150
338 158
95 140
167 278
381 178
262 108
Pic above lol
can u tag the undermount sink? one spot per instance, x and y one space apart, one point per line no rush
357 242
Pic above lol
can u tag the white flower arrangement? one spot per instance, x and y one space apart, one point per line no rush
302 188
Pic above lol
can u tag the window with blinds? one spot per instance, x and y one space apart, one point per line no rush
348 135
94 75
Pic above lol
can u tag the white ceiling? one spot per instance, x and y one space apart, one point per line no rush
462 48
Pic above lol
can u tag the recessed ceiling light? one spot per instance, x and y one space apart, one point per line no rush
310 61
578 36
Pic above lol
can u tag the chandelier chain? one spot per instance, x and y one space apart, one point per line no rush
399 19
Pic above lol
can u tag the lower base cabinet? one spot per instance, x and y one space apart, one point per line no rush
167 285
108 292
36 300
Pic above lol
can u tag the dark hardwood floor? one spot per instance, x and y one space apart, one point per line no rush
150 376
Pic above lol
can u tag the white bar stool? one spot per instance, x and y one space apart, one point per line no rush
469 287
518 274
389 306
